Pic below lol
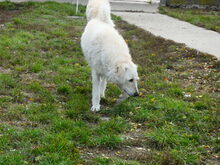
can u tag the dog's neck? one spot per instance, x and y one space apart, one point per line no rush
111 75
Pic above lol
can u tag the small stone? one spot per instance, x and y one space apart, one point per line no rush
105 118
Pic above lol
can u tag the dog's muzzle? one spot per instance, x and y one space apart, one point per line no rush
136 94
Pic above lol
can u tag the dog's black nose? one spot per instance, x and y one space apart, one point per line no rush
136 94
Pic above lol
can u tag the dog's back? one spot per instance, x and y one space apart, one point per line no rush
100 41
99 9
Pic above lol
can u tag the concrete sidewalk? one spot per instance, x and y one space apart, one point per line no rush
203 40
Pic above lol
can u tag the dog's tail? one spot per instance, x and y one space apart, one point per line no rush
103 13
105 16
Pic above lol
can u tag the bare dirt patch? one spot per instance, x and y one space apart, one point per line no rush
134 148
4 71
7 15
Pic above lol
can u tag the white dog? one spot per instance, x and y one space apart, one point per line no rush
99 9
108 56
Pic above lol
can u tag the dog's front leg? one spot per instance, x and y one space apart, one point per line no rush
95 92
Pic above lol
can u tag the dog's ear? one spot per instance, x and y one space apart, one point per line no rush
122 68
119 70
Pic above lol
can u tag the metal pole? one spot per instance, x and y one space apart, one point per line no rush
77 6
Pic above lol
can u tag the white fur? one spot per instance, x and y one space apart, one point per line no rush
108 56
99 9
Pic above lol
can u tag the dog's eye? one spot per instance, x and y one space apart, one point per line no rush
131 80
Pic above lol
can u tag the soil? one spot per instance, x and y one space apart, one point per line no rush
134 148
7 15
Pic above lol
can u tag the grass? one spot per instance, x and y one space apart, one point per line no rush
204 18
46 91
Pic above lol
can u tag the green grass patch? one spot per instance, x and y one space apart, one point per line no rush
204 18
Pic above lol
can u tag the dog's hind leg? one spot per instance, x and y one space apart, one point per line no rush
103 87
95 91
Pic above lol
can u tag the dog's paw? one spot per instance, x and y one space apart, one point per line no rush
95 108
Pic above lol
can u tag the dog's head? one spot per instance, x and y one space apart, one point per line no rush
128 78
